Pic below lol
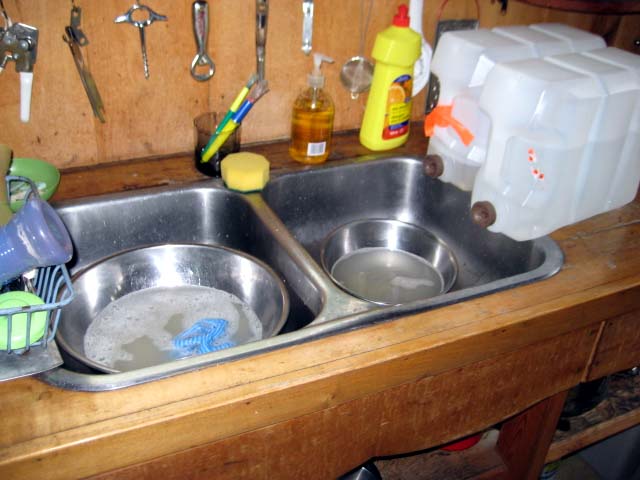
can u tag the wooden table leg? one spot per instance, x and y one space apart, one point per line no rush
525 439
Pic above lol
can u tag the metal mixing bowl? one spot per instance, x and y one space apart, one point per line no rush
239 274
426 267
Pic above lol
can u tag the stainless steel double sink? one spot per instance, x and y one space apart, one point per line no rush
284 226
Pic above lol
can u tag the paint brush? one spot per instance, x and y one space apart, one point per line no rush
237 102
260 89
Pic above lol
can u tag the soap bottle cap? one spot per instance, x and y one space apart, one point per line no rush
401 19
316 79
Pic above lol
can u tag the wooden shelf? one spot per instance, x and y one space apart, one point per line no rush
618 412
481 461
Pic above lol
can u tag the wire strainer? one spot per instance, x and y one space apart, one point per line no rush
357 72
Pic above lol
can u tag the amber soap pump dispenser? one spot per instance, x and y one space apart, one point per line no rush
312 118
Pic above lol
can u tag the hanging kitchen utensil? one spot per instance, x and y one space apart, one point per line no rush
307 26
75 38
262 15
423 64
141 25
7 20
4 57
19 42
357 72
200 11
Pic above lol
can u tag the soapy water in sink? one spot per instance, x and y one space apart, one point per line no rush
387 276
136 330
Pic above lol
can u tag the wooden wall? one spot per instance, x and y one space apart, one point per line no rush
154 117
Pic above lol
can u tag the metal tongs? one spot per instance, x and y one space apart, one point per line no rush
75 38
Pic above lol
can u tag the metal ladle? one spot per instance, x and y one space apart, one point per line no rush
357 72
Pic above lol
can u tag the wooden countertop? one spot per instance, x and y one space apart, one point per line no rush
413 382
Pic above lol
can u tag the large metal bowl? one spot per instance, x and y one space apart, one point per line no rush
398 262
231 271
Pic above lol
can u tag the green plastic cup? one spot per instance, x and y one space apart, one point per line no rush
22 300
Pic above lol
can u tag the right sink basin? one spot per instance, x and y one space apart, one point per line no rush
316 204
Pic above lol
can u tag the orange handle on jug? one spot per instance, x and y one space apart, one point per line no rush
441 117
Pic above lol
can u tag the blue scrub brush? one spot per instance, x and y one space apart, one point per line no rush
204 336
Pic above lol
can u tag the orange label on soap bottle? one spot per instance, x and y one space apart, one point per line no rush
398 112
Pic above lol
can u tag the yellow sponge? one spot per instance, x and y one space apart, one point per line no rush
245 171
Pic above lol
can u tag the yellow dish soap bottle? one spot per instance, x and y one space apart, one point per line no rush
312 119
385 124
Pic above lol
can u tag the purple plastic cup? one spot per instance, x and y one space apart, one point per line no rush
34 237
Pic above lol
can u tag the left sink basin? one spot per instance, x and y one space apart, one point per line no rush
204 214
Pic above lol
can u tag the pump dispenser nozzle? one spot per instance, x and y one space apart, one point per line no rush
316 79
401 19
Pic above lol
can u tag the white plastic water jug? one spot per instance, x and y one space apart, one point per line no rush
462 61
564 140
